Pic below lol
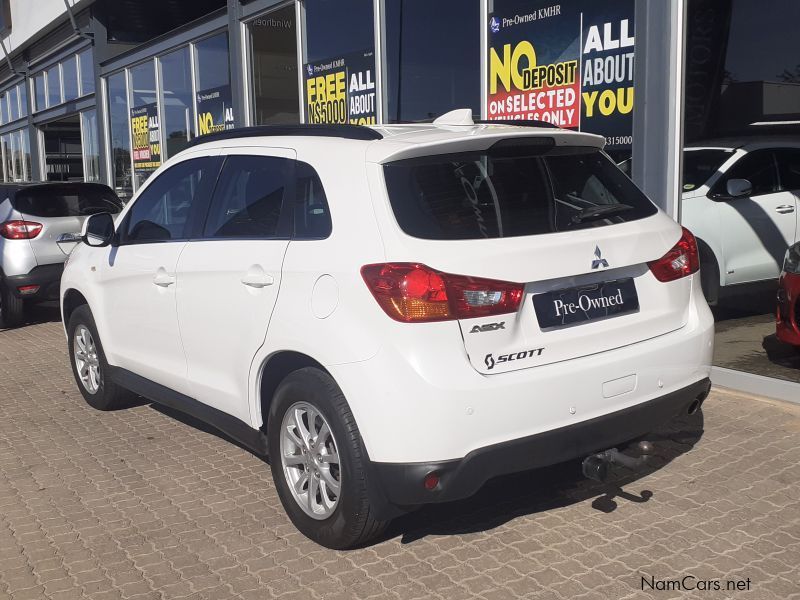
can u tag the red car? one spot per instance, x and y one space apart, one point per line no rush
788 313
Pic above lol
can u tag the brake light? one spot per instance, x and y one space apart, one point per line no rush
412 292
20 230
681 261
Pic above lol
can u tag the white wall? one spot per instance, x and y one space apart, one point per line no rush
28 17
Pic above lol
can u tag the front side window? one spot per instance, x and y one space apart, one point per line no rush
758 168
161 212
789 165
510 192
249 198
699 165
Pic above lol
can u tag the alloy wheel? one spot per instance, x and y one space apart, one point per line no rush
87 361
310 460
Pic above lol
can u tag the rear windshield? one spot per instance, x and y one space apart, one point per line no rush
66 201
493 194
700 165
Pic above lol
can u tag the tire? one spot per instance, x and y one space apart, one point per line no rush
11 308
709 279
345 520
99 392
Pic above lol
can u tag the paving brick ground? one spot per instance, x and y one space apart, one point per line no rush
142 503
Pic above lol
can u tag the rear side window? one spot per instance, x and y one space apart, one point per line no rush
495 194
162 211
66 201
249 198
312 218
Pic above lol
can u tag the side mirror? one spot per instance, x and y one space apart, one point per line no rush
98 230
738 188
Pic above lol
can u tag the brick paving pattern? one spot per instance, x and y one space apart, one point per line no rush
144 503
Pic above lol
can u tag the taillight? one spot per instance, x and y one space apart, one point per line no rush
681 261
20 230
411 292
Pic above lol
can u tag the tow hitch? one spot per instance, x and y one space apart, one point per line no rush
595 466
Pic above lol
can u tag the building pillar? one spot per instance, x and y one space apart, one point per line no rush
235 51
658 114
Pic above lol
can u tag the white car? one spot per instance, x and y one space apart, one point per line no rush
740 198
394 314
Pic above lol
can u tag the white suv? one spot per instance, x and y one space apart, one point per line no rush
394 314
740 198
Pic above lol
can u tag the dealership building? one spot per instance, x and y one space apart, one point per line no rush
107 90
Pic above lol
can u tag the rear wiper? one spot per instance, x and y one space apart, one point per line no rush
599 212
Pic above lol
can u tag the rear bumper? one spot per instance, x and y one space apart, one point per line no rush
46 277
402 484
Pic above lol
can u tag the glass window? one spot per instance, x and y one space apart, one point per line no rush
13 104
248 198
91 148
758 167
513 192
4 108
26 154
86 59
700 165
53 86
8 160
161 211
40 93
789 167
337 27
69 72
119 118
67 200
430 72
143 84
19 159
312 219
23 100
274 67
176 77
212 58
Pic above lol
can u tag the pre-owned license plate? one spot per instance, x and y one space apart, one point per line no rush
586 303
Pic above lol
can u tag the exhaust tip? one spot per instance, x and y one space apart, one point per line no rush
595 468
694 407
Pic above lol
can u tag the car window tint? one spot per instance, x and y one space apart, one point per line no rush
758 168
161 212
789 166
66 200
248 198
312 219
475 195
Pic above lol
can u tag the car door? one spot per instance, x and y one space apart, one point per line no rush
789 171
139 279
755 229
230 275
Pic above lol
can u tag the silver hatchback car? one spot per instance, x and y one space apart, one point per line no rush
40 223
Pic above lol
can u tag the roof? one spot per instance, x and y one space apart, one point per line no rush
394 142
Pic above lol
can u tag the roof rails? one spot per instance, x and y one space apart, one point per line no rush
517 122
350 132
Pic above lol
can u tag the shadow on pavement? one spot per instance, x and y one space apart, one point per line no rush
46 312
505 498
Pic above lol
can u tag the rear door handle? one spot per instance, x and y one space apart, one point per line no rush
784 209
163 279
258 280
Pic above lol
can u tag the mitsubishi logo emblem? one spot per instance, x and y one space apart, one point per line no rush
599 261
